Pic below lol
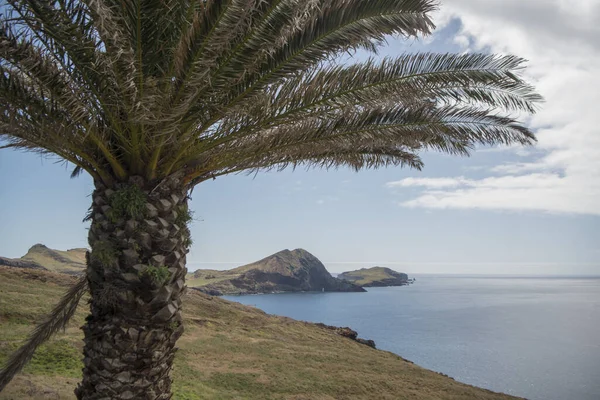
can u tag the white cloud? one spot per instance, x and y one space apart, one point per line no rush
436 183
561 40
548 192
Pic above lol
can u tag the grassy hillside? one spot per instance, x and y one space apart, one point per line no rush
66 262
229 351
203 277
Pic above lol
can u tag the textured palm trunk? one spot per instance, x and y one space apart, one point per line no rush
136 274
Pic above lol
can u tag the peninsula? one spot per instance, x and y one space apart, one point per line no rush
285 271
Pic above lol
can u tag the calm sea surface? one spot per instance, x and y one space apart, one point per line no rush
533 337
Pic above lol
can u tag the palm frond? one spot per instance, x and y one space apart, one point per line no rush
450 83
57 319
267 55
396 127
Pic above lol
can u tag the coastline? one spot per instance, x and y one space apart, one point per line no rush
228 351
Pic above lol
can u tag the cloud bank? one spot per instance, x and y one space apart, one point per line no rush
561 40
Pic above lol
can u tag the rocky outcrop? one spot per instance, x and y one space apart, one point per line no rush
375 277
16 263
285 271
348 333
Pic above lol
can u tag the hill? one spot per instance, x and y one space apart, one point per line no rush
41 257
228 351
375 277
285 271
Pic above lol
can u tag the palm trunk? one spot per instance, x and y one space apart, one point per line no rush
136 275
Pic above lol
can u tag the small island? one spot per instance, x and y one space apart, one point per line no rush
285 271
376 277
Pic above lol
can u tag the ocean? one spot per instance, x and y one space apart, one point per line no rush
538 338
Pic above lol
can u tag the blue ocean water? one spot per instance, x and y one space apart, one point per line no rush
537 338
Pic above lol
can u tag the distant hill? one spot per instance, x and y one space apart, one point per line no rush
285 271
41 257
375 277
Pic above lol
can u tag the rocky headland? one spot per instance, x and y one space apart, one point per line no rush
285 271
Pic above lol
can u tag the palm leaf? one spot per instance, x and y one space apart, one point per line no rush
58 319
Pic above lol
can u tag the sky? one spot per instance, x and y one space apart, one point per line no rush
525 211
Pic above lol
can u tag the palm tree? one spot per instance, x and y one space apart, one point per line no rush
154 97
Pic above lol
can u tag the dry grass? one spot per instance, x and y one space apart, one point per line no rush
199 278
229 351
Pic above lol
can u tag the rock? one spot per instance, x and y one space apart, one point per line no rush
15 263
348 333
367 342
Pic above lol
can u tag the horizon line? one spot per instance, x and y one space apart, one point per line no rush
423 262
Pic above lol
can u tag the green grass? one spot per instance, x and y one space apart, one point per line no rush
60 357
228 351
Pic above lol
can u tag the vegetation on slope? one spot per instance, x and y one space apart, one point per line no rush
228 351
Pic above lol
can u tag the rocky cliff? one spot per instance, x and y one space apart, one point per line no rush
18 263
285 271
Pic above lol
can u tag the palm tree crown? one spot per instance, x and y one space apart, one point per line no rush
211 87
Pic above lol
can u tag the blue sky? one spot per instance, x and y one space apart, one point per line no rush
513 211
